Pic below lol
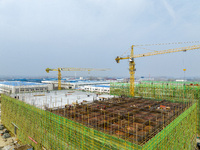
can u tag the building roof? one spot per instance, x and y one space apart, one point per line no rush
19 83
105 86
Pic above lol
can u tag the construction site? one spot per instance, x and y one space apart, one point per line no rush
145 116
114 123
134 119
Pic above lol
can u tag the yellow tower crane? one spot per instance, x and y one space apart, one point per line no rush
132 62
71 69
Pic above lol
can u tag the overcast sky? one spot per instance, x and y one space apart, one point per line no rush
36 34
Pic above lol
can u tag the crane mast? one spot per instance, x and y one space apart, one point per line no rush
132 72
132 62
59 78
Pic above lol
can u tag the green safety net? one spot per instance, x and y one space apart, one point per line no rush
43 129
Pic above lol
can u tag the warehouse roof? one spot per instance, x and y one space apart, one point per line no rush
19 83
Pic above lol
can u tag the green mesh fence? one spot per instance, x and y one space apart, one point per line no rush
171 82
157 90
178 135
43 129
54 132
119 89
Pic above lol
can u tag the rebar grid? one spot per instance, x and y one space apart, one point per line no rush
133 119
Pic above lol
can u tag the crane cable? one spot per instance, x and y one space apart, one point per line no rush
125 52
168 43
138 46
147 49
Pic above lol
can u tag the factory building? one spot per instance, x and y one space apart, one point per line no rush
75 84
97 88
14 87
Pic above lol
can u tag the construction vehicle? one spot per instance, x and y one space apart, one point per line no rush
132 62
71 69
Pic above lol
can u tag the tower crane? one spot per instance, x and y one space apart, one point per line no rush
132 62
71 69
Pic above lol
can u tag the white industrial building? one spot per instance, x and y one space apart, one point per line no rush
75 84
96 88
14 87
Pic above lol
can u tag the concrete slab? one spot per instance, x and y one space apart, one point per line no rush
58 98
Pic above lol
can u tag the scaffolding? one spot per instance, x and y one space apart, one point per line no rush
163 90
91 127
159 90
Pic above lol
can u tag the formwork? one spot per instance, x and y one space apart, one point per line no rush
54 130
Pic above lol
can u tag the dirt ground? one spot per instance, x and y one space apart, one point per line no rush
8 141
